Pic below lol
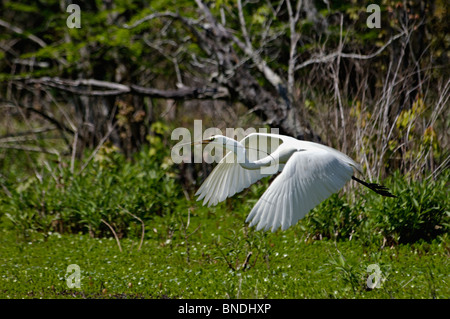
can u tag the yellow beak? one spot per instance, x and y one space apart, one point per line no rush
195 143
201 142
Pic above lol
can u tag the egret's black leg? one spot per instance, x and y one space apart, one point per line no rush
377 188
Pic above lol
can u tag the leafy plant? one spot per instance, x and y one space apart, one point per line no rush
111 184
421 210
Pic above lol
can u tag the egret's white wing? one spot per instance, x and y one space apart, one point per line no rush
308 178
229 177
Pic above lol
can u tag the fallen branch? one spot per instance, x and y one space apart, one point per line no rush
186 236
245 265
142 224
4 138
18 30
78 86
105 88
29 149
114 233
100 144
183 93
46 116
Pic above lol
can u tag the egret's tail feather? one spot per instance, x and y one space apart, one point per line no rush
377 188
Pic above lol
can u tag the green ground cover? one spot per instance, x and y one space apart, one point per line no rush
214 262
192 251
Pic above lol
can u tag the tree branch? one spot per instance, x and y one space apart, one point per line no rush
84 87
29 36
295 37
46 116
28 148
74 86
330 57
218 41
243 25
189 23
184 93
18 30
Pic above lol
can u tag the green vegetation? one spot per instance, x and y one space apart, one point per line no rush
191 251
108 190
86 116
282 265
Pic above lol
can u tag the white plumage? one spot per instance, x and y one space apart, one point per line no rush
310 173
303 184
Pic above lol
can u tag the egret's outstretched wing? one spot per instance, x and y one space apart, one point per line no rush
308 178
229 177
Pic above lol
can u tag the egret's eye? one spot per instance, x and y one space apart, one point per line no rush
211 138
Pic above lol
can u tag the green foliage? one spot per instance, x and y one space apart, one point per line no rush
106 190
420 212
111 186
296 269
47 224
334 219
347 272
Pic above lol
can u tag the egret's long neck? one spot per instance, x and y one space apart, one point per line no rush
242 157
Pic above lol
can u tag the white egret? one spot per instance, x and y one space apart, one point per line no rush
310 173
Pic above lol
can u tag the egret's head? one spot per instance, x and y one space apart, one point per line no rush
216 140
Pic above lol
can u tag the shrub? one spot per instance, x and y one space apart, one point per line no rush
334 218
106 190
420 212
